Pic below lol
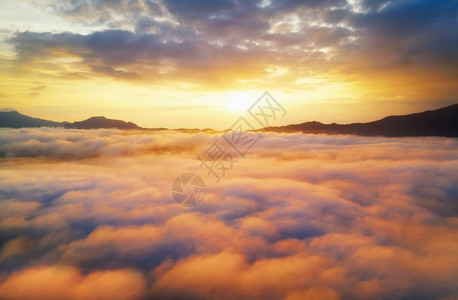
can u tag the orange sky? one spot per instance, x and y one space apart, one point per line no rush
198 63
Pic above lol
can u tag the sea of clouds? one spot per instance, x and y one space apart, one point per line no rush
88 214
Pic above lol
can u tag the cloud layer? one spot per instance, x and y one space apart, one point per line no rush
88 214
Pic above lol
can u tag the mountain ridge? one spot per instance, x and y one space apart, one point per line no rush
439 122
100 122
14 119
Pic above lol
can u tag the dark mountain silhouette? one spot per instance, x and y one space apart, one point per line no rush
14 119
100 122
440 122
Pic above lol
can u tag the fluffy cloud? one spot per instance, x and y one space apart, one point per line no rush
300 217
76 144
60 282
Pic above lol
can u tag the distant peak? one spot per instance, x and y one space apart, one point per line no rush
97 118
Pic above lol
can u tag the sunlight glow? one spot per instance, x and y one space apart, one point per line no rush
240 101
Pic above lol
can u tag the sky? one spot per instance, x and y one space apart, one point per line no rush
183 63
87 214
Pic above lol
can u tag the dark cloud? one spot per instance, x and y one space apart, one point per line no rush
287 5
406 18
411 32
209 42
122 53
199 8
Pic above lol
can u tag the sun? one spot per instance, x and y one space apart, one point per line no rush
240 101
237 105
